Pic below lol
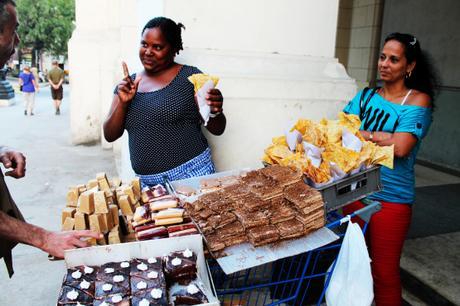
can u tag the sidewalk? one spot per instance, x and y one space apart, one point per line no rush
53 164
430 262
431 254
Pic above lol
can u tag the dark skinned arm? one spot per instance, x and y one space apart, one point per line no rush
216 124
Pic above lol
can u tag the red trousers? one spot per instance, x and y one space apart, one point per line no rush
385 238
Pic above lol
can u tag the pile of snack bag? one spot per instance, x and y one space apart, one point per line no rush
327 150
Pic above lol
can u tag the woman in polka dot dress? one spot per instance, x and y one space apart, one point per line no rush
157 107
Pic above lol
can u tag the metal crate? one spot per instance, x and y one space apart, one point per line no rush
297 280
350 189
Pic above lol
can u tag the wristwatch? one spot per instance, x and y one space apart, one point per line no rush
371 136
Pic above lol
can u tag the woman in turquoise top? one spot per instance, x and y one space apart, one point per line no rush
399 114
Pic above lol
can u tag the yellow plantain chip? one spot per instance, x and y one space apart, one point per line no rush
344 158
278 152
295 161
333 130
367 152
267 159
384 156
319 175
350 121
199 79
281 140
303 125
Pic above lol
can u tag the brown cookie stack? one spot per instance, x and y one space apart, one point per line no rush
262 207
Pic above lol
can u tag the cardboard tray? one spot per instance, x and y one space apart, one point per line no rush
98 255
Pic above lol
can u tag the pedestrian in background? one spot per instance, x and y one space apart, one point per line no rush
28 86
55 79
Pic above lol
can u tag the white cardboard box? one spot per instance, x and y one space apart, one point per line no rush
99 255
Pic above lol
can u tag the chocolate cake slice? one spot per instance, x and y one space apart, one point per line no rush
180 267
76 275
140 266
251 219
187 295
316 215
222 205
72 295
279 212
251 203
284 176
150 297
234 240
114 300
229 230
263 235
303 196
290 229
119 284
219 221
214 243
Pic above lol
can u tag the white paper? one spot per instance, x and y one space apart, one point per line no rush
313 153
293 138
351 141
336 172
205 109
245 256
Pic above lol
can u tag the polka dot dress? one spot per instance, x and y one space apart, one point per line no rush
164 126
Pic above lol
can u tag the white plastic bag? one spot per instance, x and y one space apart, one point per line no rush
351 281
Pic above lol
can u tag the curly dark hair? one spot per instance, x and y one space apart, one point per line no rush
170 29
424 77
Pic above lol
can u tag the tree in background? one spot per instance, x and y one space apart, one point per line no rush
45 26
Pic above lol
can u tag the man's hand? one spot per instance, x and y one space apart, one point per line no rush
56 242
15 160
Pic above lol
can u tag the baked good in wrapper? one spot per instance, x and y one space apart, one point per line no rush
72 295
202 83
151 297
180 267
115 300
192 294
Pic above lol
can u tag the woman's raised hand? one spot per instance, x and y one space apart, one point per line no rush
127 88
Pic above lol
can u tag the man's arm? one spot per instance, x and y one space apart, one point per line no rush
53 243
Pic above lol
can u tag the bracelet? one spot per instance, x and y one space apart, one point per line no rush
371 136
214 115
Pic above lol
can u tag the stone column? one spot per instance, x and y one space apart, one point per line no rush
275 60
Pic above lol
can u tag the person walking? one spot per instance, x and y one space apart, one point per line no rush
28 86
55 79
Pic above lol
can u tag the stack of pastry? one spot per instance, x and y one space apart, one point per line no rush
124 212
262 207
136 282
96 206
160 216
